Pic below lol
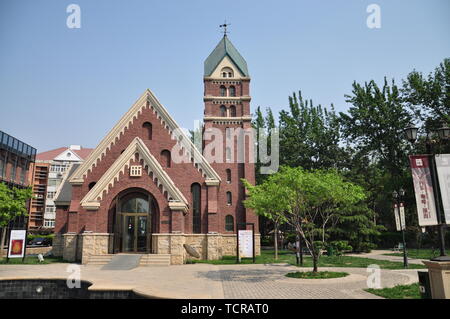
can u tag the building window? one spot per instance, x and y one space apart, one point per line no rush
223 91
165 157
49 223
2 165
228 154
223 111
227 72
50 195
50 209
136 171
229 223
196 208
229 199
147 126
23 170
53 182
232 91
228 175
233 111
91 185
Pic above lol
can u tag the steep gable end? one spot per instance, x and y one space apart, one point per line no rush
173 194
147 100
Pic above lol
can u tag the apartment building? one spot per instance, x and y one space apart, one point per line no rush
48 172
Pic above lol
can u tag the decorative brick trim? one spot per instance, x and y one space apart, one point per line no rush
92 199
147 100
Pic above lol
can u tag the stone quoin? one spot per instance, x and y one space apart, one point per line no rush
131 195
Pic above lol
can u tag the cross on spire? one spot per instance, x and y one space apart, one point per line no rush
224 26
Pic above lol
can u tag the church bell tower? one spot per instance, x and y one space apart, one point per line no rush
227 110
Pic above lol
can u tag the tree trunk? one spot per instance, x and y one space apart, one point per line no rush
276 242
2 241
315 262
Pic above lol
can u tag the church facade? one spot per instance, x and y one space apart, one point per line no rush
147 189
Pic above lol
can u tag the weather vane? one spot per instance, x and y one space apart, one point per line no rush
224 26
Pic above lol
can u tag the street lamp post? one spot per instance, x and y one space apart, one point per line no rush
398 197
444 134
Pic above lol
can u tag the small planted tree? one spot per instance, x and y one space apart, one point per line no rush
12 204
310 201
268 200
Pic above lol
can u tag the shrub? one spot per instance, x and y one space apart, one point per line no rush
337 247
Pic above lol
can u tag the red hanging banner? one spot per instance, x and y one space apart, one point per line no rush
423 189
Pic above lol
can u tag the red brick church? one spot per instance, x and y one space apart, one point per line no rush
133 194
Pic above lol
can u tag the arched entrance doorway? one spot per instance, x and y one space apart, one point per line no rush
134 222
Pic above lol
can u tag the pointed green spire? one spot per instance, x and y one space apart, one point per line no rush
225 48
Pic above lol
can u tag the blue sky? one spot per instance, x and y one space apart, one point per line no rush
61 86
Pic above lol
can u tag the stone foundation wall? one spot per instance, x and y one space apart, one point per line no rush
210 246
58 245
70 247
95 244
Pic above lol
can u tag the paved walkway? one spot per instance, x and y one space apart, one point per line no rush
379 255
217 281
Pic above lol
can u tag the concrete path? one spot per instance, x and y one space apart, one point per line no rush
217 281
123 262
380 255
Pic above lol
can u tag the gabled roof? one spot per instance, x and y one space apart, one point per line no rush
147 100
50 155
112 175
225 48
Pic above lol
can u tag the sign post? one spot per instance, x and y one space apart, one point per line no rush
245 242
17 244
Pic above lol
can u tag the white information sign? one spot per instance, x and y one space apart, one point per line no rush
397 218
17 242
245 243
402 216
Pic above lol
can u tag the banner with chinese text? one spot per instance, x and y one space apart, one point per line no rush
423 189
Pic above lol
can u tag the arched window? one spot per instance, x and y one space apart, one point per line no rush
232 91
233 111
147 126
227 72
228 154
229 198
229 223
196 208
135 203
223 91
228 175
223 111
91 185
165 156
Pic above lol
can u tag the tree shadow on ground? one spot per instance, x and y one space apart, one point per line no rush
253 275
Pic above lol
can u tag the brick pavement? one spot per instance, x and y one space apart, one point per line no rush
218 281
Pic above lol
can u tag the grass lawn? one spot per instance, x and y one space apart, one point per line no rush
398 292
284 256
316 275
31 260
420 253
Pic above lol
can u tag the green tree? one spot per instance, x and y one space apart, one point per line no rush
13 203
374 128
310 135
269 201
429 97
310 201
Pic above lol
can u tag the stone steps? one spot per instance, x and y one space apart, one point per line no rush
146 260
99 259
155 260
